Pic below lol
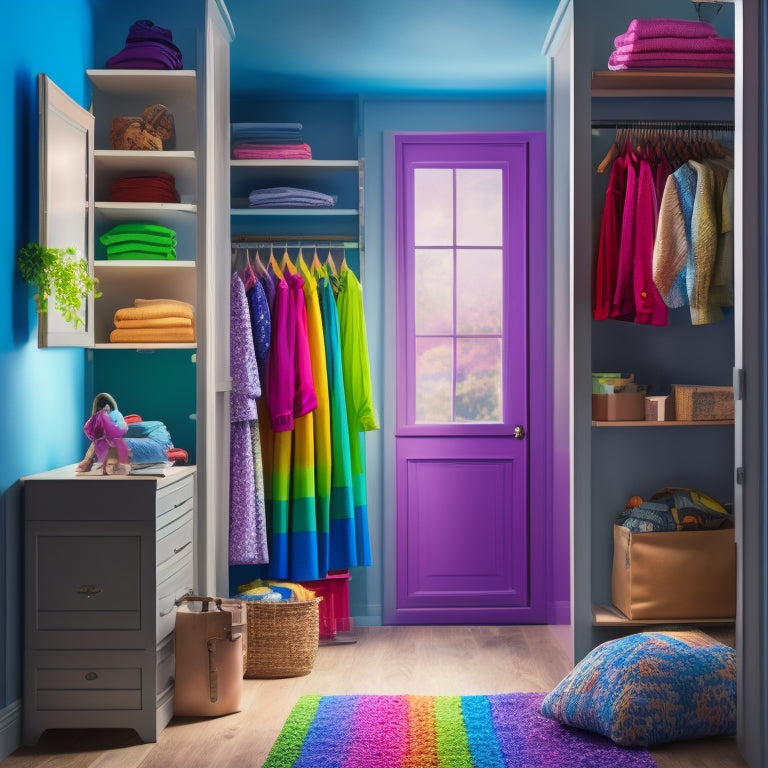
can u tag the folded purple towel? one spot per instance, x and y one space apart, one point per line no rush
147 46
643 28
144 29
689 44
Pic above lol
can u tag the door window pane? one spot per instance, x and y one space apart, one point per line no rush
479 280
458 314
433 291
478 380
434 377
433 206
479 219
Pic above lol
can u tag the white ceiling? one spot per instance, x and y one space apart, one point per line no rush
348 47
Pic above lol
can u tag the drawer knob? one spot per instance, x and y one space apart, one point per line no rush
91 675
89 590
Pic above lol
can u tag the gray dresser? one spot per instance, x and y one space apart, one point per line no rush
106 561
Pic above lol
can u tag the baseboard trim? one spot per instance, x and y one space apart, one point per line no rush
560 612
10 729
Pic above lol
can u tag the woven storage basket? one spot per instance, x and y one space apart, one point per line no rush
702 403
282 638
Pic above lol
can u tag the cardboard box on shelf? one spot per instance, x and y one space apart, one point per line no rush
622 406
656 408
674 574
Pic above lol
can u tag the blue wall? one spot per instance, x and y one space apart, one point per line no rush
42 392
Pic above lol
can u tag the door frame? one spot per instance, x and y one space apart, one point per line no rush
539 364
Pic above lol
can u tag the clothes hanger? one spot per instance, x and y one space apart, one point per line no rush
330 263
247 275
286 264
258 266
613 152
274 266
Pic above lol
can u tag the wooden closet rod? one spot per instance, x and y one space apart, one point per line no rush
670 125
294 242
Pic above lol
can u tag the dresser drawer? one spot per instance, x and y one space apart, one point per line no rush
172 497
89 582
175 539
173 583
88 688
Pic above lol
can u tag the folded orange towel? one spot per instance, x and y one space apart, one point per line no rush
150 335
146 309
156 322
155 302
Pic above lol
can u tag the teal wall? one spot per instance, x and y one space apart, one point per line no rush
42 392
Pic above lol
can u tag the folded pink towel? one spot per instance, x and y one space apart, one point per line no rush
644 28
246 150
672 60
689 44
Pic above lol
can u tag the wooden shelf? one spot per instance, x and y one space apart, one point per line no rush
304 165
663 83
608 616
670 423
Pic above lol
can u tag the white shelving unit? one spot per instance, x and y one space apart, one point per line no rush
128 92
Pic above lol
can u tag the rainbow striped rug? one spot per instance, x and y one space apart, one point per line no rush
439 732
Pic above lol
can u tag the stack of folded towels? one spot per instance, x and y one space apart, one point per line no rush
290 197
258 141
139 240
156 188
154 320
671 44
147 47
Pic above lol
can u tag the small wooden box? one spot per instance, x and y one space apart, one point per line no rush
702 403
622 406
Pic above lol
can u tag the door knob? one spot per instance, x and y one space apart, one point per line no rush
519 432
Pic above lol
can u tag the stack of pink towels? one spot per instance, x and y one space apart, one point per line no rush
671 44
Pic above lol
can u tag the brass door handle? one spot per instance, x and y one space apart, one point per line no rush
519 432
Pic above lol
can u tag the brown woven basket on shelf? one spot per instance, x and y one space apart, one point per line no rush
702 403
282 638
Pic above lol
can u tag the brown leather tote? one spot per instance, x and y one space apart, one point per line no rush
209 658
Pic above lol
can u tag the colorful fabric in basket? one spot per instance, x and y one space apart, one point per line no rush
259 589
676 509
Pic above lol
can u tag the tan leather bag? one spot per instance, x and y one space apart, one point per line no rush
209 657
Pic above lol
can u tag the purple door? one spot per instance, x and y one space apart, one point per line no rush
471 245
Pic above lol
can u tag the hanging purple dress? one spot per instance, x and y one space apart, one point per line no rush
247 518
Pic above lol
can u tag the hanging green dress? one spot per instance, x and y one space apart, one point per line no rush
342 547
361 414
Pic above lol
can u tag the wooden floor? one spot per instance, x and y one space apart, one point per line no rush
385 660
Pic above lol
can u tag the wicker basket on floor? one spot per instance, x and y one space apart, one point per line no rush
282 638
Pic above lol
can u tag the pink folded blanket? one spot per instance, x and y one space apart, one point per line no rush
644 28
690 44
246 151
671 60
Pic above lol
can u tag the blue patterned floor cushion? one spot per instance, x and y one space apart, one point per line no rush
650 688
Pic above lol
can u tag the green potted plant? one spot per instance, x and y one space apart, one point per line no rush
57 272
